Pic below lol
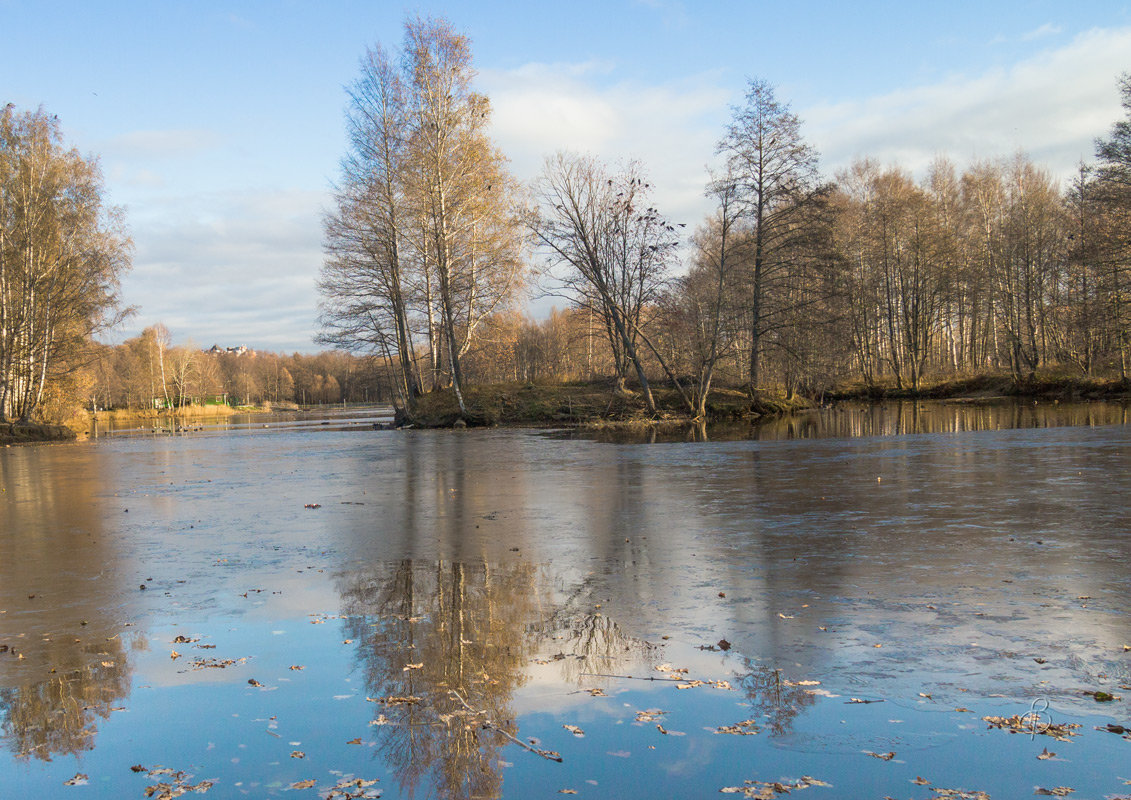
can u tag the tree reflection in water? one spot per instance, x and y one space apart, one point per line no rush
57 679
58 716
779 700
589 645
425 630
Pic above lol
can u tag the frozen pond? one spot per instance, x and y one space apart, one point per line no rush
851 595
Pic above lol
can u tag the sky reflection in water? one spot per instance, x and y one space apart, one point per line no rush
529 578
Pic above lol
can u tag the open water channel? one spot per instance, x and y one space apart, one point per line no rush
864 602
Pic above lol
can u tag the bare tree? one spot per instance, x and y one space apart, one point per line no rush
700 312
1114 236
365 303
610 249
776 174
426 221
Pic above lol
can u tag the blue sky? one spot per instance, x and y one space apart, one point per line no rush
219 125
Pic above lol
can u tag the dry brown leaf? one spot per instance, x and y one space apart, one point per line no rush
748 727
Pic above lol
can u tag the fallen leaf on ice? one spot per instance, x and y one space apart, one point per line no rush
748 727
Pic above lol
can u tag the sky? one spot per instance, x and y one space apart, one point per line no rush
220 125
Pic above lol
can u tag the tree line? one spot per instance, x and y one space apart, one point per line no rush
795 282
148 371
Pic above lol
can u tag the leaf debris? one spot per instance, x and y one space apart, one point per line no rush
178 786
1031 724
767 790
748 727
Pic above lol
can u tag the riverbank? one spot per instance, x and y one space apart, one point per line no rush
596 405
987 388
584 404
29 432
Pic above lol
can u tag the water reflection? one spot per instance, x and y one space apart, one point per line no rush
779 700
58 716
426 632
317 418
892 418
63 664
435 638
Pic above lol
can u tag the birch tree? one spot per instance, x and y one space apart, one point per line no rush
363 283
471 225
426 233
61 253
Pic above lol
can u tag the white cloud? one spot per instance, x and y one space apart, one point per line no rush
1048 29
231 268
1051 106
159 144
671 128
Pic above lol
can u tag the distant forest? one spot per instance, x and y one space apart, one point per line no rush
795 282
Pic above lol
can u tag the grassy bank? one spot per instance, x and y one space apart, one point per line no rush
592 404
28 432
987 387
596 405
